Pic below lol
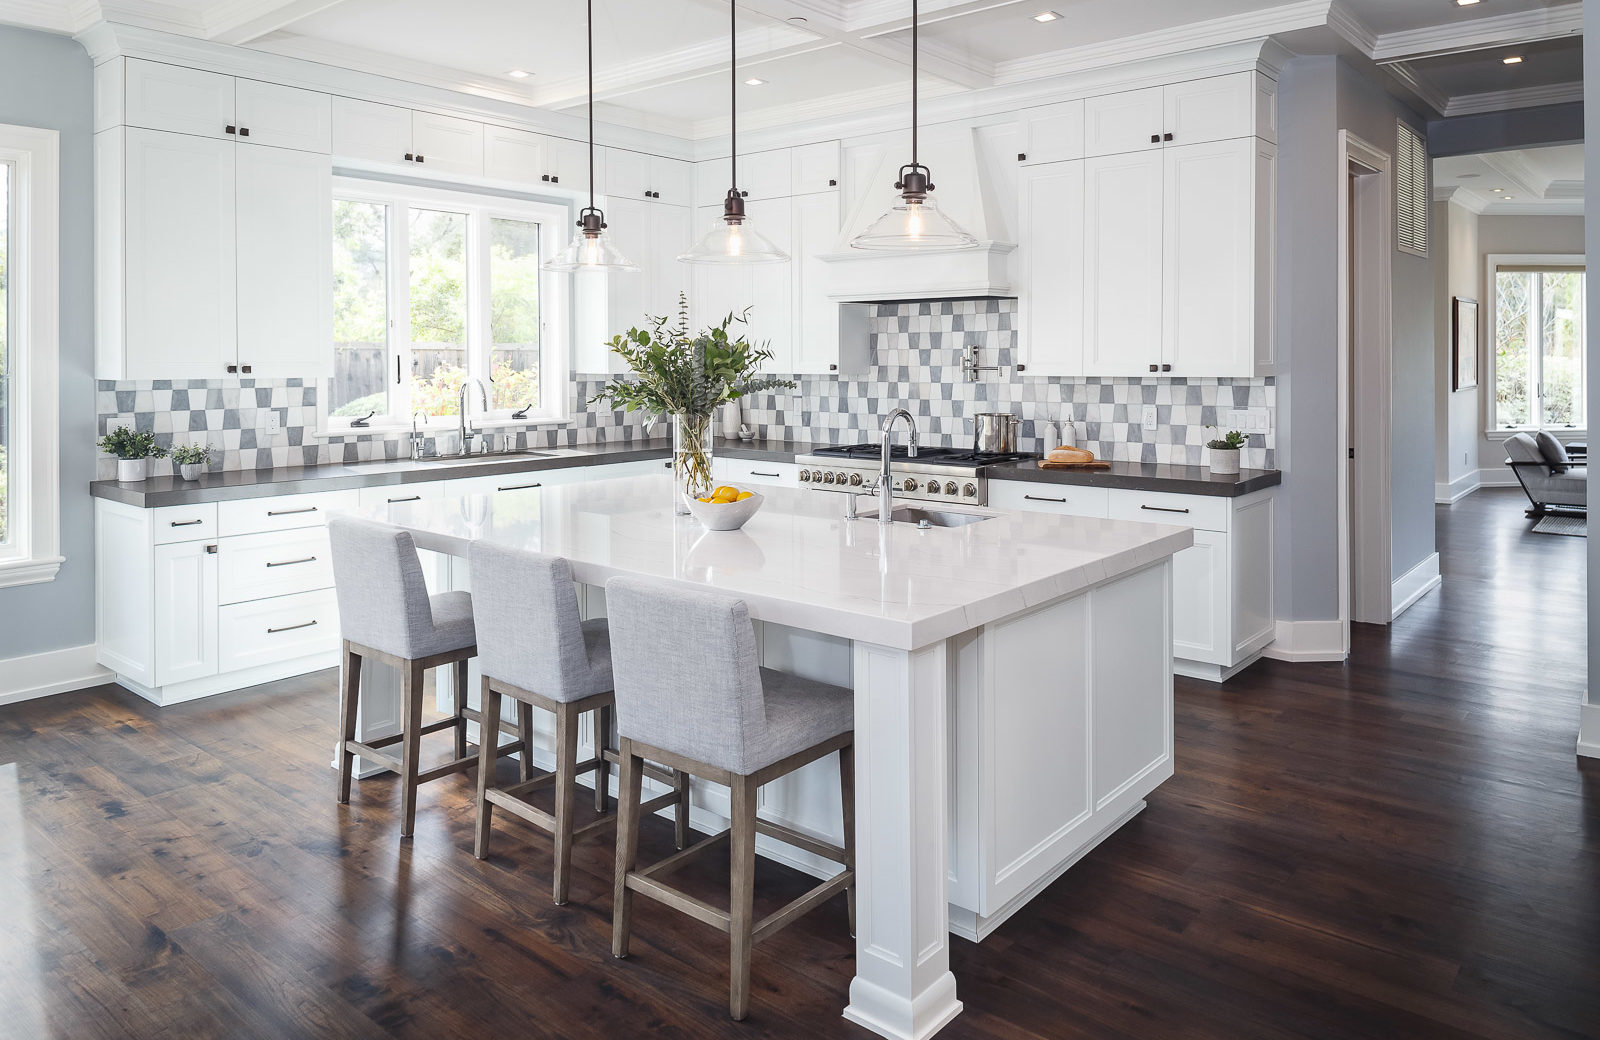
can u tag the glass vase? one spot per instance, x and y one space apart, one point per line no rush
691 460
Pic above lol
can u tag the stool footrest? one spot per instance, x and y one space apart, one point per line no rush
797 908
683 902
371 753
683 856
459 765
789 836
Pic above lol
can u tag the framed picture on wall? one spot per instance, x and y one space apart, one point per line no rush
1464 345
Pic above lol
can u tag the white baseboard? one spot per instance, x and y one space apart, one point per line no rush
1457 489
1413 585
1307 641
1499 476
1589 730
54 671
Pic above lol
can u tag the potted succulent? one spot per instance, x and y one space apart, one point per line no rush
687 377
1225 452
131 449
192 459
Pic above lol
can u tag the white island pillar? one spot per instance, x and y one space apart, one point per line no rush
903 986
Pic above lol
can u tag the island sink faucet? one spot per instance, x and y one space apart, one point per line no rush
419 419
466 421
885 480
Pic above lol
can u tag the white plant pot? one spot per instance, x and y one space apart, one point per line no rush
1224 460
191 470
131 471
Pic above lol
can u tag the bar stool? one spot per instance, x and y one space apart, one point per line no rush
533 648
386 614
691 695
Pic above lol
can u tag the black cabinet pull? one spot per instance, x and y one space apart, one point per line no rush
1034 498
1022 157
232 369
1163 509
410 157
1022 368
832 183
185 523
1166 137
413 498
1155 368
758 473
291 512
211 550
291 563
290 628
833 368
519 487
230 129
244 131
546 177
1155 138
555 180
419 157
245 369
1166 368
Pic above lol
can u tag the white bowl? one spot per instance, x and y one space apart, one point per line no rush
725 516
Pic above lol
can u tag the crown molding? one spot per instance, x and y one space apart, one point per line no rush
1466 198
1479 33
1523 97
1550 208
1344 21
53 16
1510 166
1421 88
1564 190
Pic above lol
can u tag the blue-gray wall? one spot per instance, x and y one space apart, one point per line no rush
47 81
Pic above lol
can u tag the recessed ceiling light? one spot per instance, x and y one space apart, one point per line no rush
1497 189
798 19
1508 196
519 74
1046 16
754 82
1465 3
1515 59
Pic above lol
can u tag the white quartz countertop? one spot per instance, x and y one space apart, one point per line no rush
798 562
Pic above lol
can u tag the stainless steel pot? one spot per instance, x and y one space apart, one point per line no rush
995 431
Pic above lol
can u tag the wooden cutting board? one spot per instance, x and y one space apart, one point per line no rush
1096 464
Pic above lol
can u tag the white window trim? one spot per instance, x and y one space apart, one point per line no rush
555 304
1490 318
34 269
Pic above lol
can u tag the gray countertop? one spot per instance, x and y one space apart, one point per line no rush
1145 476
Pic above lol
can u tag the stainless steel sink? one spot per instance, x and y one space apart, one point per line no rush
489 458
929 517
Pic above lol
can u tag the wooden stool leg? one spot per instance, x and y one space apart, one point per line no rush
410 743
525 741
680 809
566 795
847 790
741 903
629 789
488 750
348 699
459 670
602 772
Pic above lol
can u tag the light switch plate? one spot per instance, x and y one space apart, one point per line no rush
1249 420
1149 418
272 421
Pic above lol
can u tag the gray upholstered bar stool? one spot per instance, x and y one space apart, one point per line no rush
533 648
386 614
691 695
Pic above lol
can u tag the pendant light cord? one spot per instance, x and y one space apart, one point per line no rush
733 93
913 83
591 102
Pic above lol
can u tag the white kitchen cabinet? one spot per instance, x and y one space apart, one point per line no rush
1209 308
372 133
185 601
157 96
284 117
1240 104
447 144
671 234
814 168
651 235
1052 134
763 291
283 216
1123 233
1061 499
1050 261
261 633
529 159
745 473
766 175
820 344
1130 121
656 178
1213 109
1200 598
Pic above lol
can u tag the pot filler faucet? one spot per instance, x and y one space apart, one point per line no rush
466 423
885 481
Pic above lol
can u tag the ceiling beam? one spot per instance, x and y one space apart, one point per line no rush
1479 34
245 21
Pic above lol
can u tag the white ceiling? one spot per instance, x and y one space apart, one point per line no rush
664 63
1532 180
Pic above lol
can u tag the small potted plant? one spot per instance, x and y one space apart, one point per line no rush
131 450
1225 452
192 459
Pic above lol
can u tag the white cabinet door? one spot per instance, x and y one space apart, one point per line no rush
185 593
1127 122
371 132
771 321
516 156
628 224
447 143
1214 109
815 345
1050 268
711 183
1052 133
669 236
284 117
179 294
1210 259
765 175
183 101
718 290
1123 236
1200 609
568 164
627 174
814 167
285 250
671 181
1041 497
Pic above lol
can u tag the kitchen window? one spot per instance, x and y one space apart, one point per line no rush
1540 353
433 288
30 498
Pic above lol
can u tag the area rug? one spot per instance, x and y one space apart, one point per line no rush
1553 523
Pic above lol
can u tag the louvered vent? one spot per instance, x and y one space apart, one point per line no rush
1411 190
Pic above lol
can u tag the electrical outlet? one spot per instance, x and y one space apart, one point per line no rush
1149 418
272 421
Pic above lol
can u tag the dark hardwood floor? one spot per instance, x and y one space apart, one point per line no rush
1402 846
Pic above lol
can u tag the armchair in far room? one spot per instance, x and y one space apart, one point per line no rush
1552 480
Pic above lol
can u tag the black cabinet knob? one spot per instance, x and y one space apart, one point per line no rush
245 369
545 177
232 369
833 368
230 129
1155 368
1166 137
410 157
1155 138
419 157
1022 157
244 131
1022 368
1166 368
832 183
555 180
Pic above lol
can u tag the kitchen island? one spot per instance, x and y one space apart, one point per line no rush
1013 680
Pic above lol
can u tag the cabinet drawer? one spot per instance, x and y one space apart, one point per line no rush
747 471
257 566
272 631
1065 499
1156 507
183 523
281 513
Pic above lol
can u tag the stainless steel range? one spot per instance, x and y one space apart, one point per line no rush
934 475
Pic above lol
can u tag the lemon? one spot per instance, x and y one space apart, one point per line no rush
744 495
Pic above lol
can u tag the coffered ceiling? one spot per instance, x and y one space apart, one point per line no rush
1547 181
663 63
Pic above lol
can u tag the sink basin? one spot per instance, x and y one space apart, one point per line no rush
930 517
499 456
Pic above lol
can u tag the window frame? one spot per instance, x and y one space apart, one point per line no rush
1490 316
33 272
555 305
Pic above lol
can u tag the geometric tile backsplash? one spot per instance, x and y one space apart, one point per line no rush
916 362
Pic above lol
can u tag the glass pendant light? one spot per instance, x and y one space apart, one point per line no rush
734 240
915 222
591 249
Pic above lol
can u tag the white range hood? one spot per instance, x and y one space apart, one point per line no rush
974 174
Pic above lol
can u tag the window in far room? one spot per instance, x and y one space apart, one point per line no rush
1539 348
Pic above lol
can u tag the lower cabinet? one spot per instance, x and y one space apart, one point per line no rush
185 595
742 472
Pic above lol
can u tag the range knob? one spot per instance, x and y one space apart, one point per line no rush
909 484
855 480
933 487
843 477
970 491
950 487
827 478
805 476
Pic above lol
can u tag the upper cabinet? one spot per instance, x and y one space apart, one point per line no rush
636 175
1242 104
776 173
1052 133
525 158
374 133
156 96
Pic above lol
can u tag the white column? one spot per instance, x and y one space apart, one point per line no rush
903 987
